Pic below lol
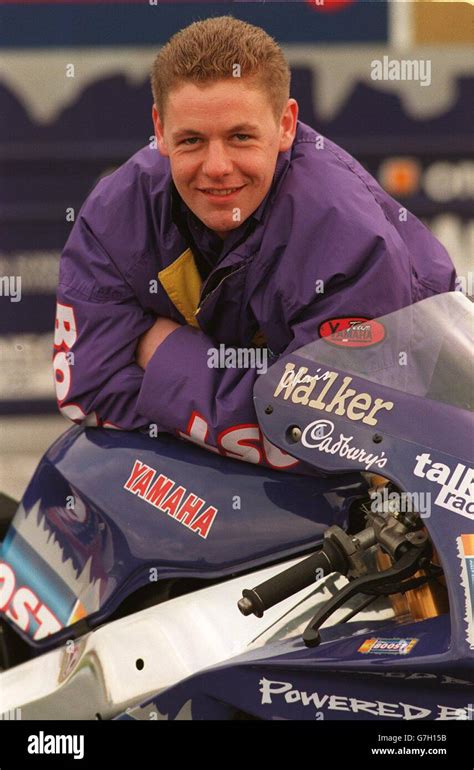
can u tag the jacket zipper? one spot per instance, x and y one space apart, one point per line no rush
204 297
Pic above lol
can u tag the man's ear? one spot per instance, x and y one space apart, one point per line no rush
159 132
288 125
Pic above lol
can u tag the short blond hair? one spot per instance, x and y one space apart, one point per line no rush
209 50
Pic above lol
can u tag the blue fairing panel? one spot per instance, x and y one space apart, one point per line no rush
105 508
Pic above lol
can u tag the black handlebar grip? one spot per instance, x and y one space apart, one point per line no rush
323 562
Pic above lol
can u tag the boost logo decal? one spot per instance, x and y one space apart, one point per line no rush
22 605
387 646
352 332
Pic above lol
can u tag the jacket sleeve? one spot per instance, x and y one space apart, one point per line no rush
98 324
210 406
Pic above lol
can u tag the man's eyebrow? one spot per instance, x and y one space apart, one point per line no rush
232 130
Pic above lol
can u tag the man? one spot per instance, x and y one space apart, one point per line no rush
245 227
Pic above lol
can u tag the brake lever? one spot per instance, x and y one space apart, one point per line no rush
387 581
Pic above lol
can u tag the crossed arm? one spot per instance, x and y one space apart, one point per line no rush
153 338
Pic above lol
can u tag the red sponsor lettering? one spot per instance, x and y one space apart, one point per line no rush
204 522
243 442
172 503
159 490
141 486
137 471
168 498
189 509
352 331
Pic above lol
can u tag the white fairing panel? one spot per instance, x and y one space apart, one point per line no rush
122 663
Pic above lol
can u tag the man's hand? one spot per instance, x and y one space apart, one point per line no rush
153 338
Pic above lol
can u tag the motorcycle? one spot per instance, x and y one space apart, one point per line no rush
147 578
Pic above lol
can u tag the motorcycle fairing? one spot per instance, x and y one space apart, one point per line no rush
286 680
424 445
81 542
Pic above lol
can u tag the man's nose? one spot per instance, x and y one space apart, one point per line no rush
217 161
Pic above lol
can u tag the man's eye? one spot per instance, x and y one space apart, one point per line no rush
191 140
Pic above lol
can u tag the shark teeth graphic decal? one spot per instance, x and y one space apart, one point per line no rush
32 527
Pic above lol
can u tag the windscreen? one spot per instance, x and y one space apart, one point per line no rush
424 349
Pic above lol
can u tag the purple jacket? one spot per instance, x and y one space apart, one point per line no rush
327 242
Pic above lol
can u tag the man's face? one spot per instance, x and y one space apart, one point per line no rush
219 138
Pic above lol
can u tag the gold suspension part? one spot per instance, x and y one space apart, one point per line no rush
427 601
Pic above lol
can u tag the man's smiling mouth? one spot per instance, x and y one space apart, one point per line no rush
221 191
